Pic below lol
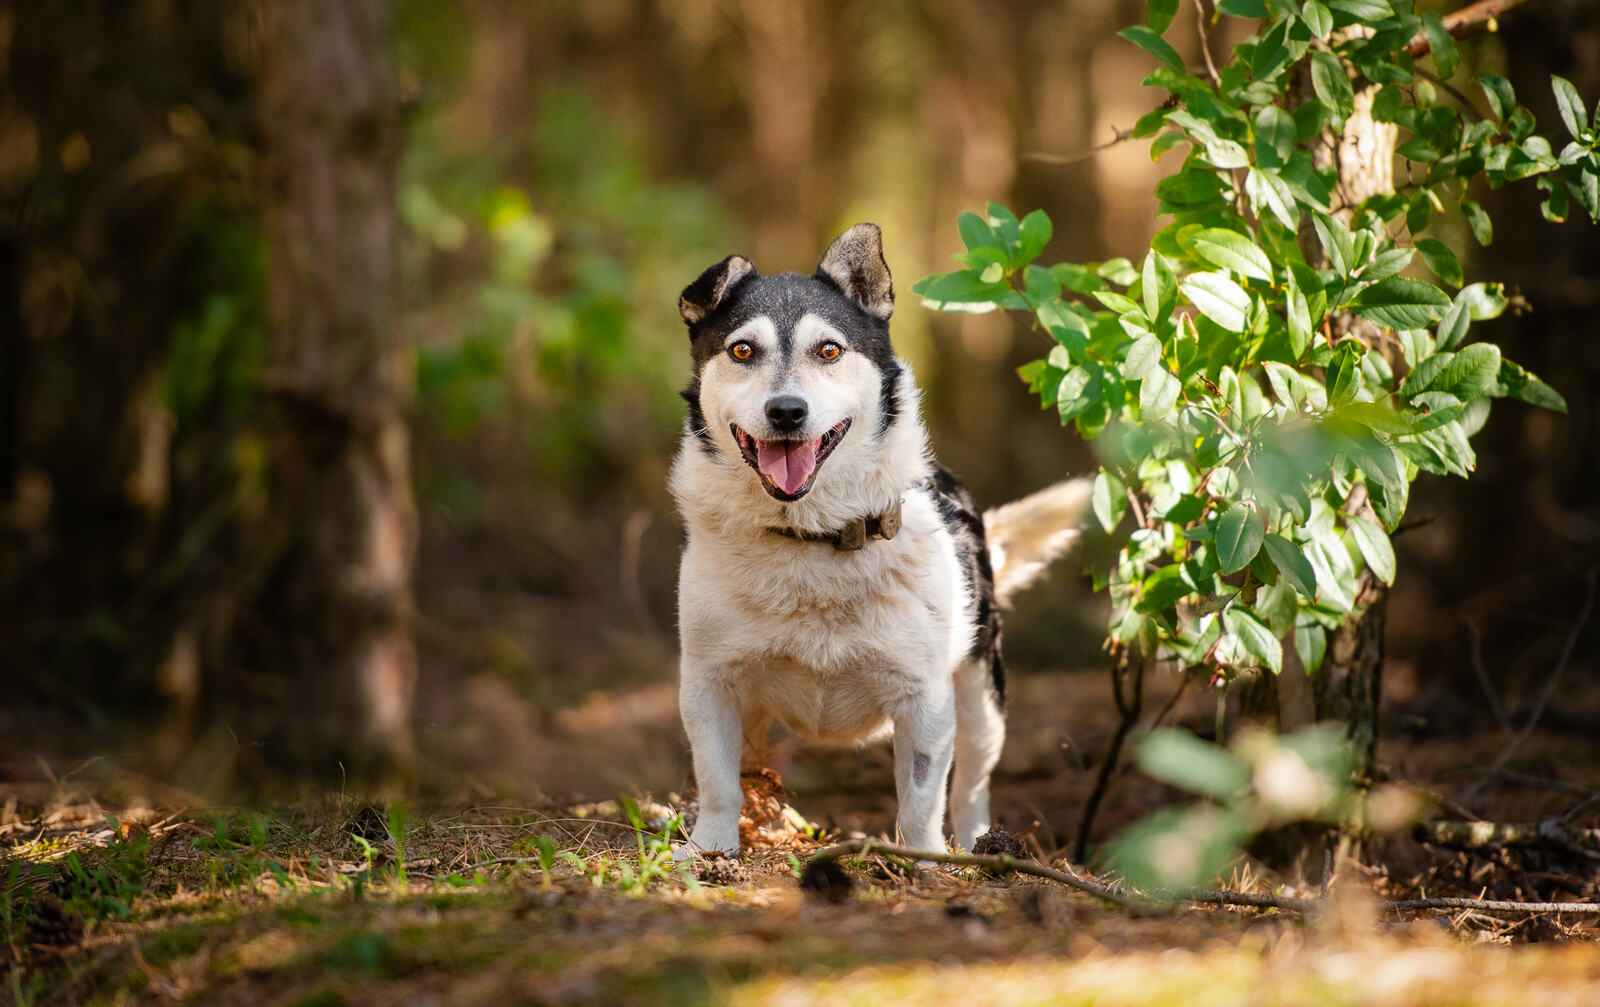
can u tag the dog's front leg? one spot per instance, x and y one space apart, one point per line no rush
924 740
712 720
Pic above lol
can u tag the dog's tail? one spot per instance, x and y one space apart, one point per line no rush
1027 535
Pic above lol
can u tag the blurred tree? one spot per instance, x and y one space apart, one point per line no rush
340 595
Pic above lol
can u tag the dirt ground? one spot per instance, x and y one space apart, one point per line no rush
120 890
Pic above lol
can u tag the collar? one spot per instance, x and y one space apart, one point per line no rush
855 534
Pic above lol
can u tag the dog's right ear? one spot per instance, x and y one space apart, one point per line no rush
700 298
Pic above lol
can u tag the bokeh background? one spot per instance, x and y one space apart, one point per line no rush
566 168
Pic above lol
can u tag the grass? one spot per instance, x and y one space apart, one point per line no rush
336 903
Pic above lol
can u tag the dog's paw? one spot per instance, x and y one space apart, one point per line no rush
699 847
685 852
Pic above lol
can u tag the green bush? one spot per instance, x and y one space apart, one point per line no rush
1274 363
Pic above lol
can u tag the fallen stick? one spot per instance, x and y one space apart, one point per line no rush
1147 903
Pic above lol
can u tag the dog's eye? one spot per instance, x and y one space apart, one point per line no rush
830 351
742 351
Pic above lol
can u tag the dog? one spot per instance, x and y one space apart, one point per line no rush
835 579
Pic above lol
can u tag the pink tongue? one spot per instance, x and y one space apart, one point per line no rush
787 463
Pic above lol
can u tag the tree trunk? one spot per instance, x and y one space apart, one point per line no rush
335 621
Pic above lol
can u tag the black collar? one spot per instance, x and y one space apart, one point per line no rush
855 534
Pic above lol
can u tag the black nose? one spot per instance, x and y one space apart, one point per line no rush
786 413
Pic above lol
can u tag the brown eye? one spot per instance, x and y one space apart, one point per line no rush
741 351
830 351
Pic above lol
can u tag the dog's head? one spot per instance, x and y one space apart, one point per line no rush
791 369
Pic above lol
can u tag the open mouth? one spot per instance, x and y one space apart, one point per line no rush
788 467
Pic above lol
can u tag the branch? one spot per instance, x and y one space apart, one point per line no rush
1469 20
1244 900
1001 862
1042 157
1130 718
1205 41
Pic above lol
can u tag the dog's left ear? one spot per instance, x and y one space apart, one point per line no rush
854 263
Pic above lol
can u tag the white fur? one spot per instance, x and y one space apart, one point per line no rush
839 646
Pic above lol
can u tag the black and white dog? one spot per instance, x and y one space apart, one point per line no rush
836 579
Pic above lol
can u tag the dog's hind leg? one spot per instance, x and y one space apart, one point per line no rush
712 720
980 735
924 739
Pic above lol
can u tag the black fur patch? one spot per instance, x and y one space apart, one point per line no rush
962 519
697 419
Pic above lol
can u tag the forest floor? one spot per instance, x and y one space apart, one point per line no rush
117 890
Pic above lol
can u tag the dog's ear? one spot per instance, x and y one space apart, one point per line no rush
854 263
700 298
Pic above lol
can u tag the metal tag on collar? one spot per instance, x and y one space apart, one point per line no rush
889 522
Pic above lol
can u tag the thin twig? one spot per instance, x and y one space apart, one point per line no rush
1129 900
1491 905
1130 710
1062 160
1452 91
1496 707
1205 41
1549 687
1466 21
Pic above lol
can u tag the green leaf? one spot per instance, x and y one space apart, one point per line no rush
1453 327
1232 250
1257 638
1441 260
1518 383
1275 136
1158 392
1387 264
1300 331
1160 15
1364 10
1239 534
1375 547
1218 298
1182 760
1109 499
1402 303
1035 230
1178 848
1484 301
1374 416
1292 563
1119 271
1298 391
1480 223
1443 47
1162 589
1143 357
1157 285
1471 373
964 289
1336 241
1311 643
1267 189
1122 304
976 233
1502 96
1243 8
1331 85
1571 107
1155 45
1318 19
